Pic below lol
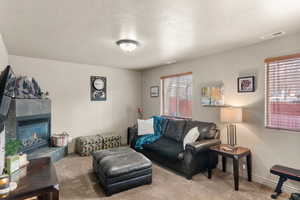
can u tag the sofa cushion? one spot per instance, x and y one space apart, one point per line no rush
165 147
175 129
203 127
164 124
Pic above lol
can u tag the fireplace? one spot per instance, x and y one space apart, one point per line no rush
33 132
29 121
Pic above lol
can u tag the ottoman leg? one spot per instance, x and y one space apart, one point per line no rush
107 193
150 180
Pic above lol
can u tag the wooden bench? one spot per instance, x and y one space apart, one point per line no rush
284 174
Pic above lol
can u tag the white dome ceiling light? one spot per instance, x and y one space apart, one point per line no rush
127 45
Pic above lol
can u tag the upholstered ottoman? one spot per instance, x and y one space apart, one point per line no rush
121 168
111 142
85 145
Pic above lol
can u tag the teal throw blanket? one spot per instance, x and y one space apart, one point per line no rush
148 139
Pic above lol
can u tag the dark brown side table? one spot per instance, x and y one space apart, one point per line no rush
236 155
40 181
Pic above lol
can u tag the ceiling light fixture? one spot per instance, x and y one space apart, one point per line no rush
127 45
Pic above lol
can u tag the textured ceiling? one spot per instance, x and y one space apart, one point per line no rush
85 31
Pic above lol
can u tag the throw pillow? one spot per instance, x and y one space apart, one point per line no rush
145 127
191 136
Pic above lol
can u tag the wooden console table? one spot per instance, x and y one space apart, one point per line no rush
236 155
40 181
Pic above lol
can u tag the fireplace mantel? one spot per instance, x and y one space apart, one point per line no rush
29 107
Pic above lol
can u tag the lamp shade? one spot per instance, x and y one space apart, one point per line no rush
231 115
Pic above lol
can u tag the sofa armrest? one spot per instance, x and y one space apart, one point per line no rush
202 145
132 134
215 134
218 134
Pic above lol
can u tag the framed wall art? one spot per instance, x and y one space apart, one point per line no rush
154 91
212 95
98 88
246 84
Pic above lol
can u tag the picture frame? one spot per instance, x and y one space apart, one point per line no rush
98 86
154 91
213 95
246 84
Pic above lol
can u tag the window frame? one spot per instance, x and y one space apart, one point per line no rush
162 78
267 61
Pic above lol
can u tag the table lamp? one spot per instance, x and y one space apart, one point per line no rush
231 116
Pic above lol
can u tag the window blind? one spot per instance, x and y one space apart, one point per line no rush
177 95
283 93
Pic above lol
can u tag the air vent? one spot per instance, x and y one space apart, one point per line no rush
171 62
273 35
277 34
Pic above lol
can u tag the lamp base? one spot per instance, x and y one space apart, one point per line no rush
231 135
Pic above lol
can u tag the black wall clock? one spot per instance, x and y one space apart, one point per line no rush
98 88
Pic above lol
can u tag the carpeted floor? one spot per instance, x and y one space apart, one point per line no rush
77 181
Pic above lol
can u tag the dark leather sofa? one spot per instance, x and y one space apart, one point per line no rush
168 149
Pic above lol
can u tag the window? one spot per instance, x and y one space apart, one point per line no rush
283 92
177 95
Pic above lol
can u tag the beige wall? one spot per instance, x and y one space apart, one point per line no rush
69 88
269 147
3 54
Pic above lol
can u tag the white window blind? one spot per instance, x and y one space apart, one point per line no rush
283 93
177 95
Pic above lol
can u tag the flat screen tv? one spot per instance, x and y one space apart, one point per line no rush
7 85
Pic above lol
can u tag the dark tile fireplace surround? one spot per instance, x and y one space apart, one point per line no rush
29 120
